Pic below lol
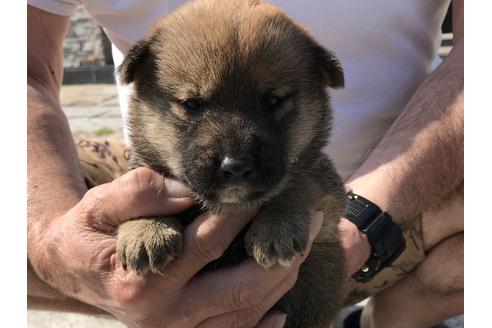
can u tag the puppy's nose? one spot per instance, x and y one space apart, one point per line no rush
241 167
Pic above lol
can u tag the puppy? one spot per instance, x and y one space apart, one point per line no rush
230 98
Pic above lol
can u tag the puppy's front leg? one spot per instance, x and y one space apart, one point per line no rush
148 244
277 233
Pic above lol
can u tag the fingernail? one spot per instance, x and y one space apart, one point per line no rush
176 189
316 223
280 321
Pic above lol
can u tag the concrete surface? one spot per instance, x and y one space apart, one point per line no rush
46 319
92 109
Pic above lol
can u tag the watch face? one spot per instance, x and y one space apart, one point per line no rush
360 211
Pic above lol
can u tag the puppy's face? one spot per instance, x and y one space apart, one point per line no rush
228 96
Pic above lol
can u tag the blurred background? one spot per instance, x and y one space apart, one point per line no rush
89 99
89 95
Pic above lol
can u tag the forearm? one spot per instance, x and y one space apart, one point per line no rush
54 183
420 159
54 186
54 180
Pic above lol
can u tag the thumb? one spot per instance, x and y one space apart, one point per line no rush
139 193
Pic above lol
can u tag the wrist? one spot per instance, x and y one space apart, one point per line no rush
381 194
383 234
355 245
43 257
37 287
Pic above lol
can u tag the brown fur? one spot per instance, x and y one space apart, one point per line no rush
256 81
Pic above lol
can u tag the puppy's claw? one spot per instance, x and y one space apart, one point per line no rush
286 263
267 261
270 242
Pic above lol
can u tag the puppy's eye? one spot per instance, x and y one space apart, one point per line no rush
192 104
271 102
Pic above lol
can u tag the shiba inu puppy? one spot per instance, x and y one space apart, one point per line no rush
230 98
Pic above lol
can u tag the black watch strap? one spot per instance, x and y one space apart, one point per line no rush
384 235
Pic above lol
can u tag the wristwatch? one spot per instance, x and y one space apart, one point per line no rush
384 235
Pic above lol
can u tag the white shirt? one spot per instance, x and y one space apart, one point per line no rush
386 47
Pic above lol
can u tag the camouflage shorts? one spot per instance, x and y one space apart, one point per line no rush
104 160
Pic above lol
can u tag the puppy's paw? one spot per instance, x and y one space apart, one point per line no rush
275 240
148 244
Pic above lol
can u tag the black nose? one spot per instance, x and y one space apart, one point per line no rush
233 168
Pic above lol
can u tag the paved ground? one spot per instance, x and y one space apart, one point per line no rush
93 111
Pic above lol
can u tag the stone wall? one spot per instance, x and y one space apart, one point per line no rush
85 43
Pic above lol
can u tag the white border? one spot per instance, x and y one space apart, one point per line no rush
13 164
478 124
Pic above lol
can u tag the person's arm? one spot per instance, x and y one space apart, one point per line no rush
54 180
420 159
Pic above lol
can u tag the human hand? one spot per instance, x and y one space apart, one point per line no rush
77 256
355 245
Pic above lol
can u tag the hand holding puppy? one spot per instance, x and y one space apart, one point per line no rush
77 256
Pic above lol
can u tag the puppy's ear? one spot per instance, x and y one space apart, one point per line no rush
330 67
136 56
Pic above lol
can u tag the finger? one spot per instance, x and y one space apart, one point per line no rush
205 240
355 245
256 316
273 320
244 286
245 318
139 193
